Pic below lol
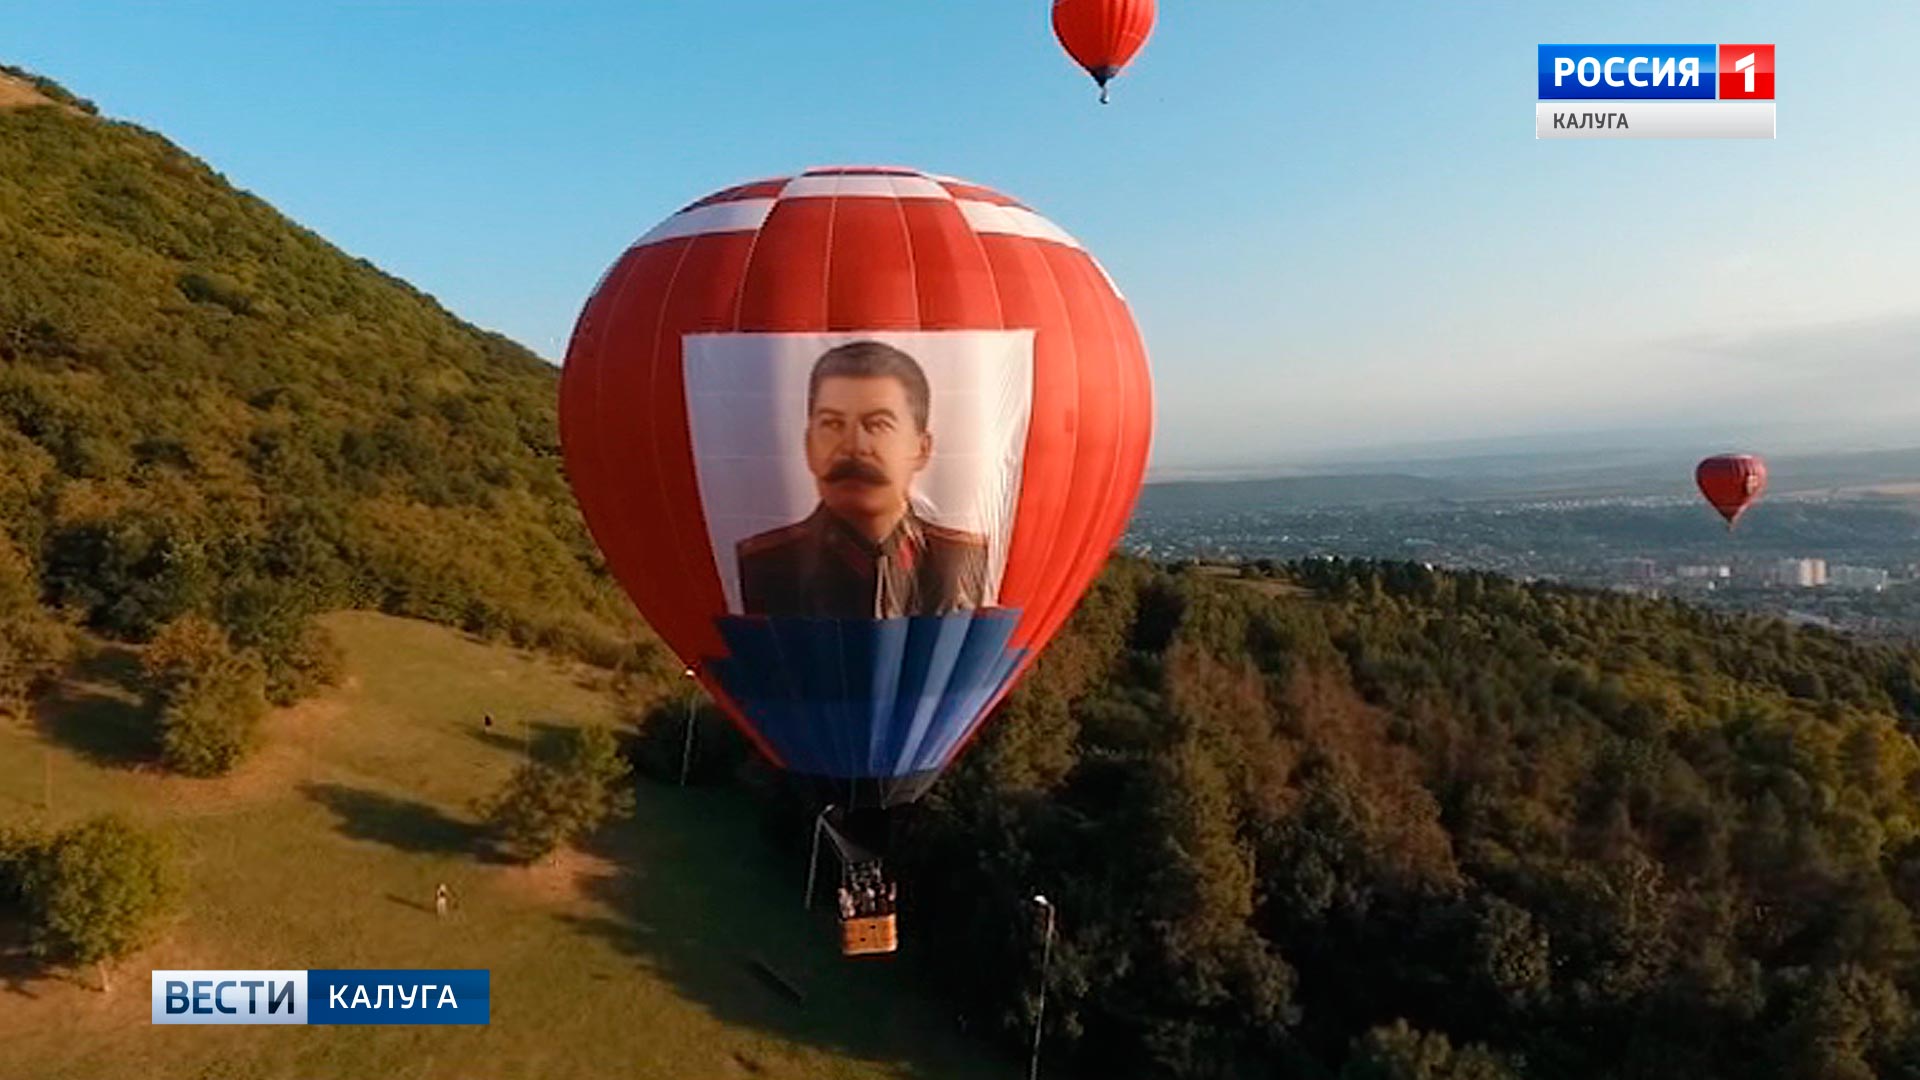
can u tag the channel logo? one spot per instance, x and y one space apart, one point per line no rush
386 996
1654 91
1746 72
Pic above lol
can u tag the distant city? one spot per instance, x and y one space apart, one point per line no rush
1845 557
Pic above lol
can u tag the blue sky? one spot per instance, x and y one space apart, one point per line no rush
1332 219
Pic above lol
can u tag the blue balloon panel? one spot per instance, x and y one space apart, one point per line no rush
874 707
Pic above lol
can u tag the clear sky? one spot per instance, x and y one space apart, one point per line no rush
1332 219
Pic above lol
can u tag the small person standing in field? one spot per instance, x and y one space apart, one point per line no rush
441 894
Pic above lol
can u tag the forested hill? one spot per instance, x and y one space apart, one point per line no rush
204 406
1373 820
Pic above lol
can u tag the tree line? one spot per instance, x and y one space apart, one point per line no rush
1355 819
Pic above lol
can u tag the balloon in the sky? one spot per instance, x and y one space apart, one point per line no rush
855 442
1102 35
1731 482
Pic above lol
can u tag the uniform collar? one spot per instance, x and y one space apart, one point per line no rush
902 544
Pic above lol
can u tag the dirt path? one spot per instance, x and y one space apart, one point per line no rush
561 882
18 93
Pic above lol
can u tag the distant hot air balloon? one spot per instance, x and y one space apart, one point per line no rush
855 442
1102 35
1731 482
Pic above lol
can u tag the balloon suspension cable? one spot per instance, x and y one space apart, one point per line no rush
813 857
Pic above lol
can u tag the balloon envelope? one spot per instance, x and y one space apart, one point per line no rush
855 442
1731 482
1102 35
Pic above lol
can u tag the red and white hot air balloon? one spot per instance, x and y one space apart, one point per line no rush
856 441
1732 483
1102 35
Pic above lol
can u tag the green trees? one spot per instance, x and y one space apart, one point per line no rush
1397 1052
208 698
574 787
33 643
274 621
206 409
1846 1023
1423 824
20 847
96 892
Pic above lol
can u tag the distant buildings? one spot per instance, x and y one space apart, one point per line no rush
1636 571
1581 544
1788 573
1798 573
1868 578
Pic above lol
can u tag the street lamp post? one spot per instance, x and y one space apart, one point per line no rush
686 750
1040 1014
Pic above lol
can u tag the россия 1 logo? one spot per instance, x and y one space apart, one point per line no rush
1654 92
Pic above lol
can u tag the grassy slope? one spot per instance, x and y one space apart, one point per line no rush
203 404
324 851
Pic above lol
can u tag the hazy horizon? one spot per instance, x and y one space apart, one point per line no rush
1779 440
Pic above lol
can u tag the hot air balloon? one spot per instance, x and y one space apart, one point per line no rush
1102 35
1731 482
855 442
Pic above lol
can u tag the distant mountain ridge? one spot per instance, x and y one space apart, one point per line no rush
1514 476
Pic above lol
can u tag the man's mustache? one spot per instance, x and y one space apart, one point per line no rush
855 469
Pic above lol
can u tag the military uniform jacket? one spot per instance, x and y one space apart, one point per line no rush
822 567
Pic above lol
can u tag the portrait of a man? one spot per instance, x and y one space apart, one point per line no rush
864 551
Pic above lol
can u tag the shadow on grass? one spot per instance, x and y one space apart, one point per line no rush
403 824
700 900
414 904
18 965
99 710
536 738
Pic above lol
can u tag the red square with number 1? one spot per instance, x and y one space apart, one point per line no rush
1746 71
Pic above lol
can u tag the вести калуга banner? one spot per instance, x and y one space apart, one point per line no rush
371 996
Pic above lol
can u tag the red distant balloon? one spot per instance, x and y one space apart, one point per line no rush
1102 35
1731 482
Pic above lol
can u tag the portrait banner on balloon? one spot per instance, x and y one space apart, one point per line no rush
859 475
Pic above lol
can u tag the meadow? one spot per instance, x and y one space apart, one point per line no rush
633 957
